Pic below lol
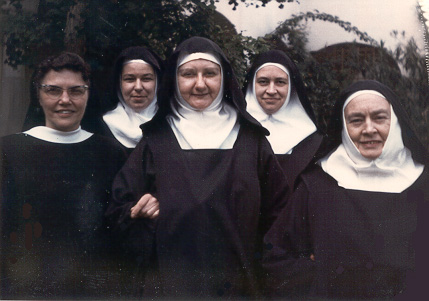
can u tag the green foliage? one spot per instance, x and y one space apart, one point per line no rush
324 82
258 3
100 29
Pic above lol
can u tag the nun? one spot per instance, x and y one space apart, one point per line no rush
356 225
133 101
276 97
55 184
215 185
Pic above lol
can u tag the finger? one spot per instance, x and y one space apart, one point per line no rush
152 201
156 214
152 210
135 211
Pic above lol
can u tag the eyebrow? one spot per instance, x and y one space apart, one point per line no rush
359 114
193 69
144 74
268 78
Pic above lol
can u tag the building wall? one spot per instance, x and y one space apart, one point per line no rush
14 89
14 99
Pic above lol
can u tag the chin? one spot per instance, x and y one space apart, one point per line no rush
371 156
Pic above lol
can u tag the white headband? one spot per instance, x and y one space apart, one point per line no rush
280 66
135 61
356 94
195 56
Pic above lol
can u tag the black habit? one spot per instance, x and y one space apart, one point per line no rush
303 153
215 204
365 244
55 242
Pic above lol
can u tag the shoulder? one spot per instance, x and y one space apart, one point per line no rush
105 147
13 141
315 178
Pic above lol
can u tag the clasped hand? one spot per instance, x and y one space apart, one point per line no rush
147 206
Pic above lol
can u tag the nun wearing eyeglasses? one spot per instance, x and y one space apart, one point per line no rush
133 100
55 184
276 97
214 185
356 226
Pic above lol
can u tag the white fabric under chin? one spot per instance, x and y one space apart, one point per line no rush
124 122
393 171
215 127
289 125
55 136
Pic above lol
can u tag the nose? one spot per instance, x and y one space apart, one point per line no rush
369 127
200 83
271 89
65 98
139 85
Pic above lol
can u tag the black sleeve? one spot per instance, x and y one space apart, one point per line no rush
135 179
274 187
287 266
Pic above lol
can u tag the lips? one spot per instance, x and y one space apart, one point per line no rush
65 112
269 100
371 143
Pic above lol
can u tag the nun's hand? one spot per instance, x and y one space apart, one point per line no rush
312 257
147 206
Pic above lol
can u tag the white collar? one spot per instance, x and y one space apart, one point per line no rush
55 136
393 171
289 125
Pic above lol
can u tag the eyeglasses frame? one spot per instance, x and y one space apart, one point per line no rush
86 87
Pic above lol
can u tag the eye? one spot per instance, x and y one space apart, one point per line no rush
355 121
53 89
128 79
262 82
186 73
77 91
281 83
148 79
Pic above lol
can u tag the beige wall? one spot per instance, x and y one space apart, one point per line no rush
14 98
14 89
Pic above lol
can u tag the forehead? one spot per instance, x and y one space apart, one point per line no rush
367 103
271 71
199 64
136 68
64 76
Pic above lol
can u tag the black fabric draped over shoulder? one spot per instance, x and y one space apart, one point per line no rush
215 205
365 244
303 155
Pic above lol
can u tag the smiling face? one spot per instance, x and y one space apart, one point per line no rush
63 113
271 88
367 119
199 82
138 82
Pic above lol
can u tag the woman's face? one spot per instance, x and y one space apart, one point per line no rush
199 82
271 88
63 109
367 119
138 83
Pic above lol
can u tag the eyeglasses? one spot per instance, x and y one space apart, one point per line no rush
55 92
